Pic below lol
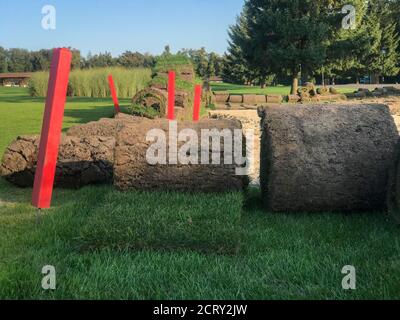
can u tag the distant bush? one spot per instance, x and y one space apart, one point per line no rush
93 83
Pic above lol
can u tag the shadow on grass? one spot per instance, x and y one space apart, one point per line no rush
94 113
253 199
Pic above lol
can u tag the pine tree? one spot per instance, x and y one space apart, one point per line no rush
239 63
288 36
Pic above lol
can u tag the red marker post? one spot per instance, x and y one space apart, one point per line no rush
113 93
171 95
51 128
197 102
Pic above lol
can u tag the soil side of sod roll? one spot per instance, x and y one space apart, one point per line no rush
81 161
133 171
114 151
321 158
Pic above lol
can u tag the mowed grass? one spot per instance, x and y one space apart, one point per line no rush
21 114
242 89
176 252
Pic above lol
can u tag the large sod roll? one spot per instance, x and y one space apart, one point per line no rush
320 158
150 98
133 170
81 161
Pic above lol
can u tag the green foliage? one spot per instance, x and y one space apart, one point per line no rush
3 60
305 36
94 83
135 60
144 111
177 62
205 64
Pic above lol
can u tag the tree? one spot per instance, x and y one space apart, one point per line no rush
240 62
3 60
100 60
167 50
289 36
383 59
76 62
19 60
40 60
135 59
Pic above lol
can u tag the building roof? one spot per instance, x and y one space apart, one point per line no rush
15 75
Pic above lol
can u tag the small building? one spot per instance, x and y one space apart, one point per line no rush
19 79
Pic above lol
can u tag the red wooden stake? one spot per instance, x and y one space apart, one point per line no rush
171 96
113 93
51 128
197 100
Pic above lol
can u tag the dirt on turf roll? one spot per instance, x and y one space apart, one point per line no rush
323 91
134 170
81 161
293 98
221 96
321 158
235 98
250 99
105 127
274 98
333 90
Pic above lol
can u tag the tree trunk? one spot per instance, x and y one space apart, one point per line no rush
295 84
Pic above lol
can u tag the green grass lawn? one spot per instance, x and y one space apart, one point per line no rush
111 245
241 89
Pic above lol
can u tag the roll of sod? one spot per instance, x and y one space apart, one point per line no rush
148 157
321 158
81 161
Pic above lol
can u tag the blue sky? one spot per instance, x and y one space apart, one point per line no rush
119 25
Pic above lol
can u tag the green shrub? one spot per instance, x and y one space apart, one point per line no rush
93 83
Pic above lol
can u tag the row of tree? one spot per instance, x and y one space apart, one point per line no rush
21 60
280 39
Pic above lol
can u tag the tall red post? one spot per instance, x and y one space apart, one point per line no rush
113 93
171 95
51 128
197 103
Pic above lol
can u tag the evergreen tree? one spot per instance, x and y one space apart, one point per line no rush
240 66
288 36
